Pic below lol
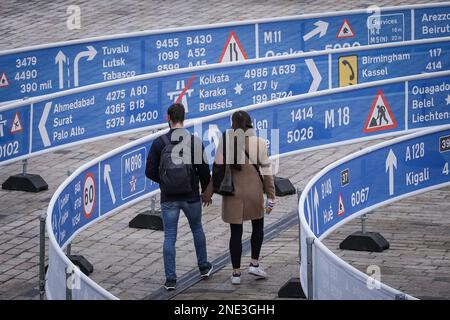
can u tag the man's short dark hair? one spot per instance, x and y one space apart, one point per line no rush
176 113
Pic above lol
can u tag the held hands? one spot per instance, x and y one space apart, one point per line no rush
207 195
270 203
206 199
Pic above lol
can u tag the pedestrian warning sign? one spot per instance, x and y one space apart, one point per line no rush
341 208
380 115
345 31
233 50
16 125
348 71
4 80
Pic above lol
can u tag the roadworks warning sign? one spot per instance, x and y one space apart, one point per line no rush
380 115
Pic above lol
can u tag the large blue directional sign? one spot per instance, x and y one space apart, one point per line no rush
100 189
299 124
93 112
377 177
46 69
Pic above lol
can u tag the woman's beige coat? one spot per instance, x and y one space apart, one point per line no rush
247 203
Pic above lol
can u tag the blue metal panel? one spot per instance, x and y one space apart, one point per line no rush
123 178
376 177
14 132
432 22
77 205
34 71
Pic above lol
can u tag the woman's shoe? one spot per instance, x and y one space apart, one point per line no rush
236 279
257 271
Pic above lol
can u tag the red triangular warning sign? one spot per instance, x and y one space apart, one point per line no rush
345 31
341 208
16 125
4 80
233 50
380 115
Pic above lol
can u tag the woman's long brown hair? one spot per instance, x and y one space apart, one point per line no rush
240 120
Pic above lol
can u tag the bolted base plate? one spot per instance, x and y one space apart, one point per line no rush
81 262
292 289
368 241
283 187
147 220
25 182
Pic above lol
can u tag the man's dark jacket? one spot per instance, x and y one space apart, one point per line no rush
201 168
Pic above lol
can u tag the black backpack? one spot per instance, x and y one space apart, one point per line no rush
175 175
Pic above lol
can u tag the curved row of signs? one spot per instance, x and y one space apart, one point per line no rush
358 184
50 68
302 123
47 123
117 179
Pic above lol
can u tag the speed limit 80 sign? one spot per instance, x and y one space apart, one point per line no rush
88 195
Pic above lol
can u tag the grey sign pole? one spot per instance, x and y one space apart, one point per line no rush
299 193
69 280
24 166
363 223
42 256
69 246
152 205
309 257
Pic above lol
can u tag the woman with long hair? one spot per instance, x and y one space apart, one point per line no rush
252 177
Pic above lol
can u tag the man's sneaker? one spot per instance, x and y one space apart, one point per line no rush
170 285
206 272
236 278
257 271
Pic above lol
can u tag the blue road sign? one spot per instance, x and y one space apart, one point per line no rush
326 119
77 205
430 103
47 69
377 177
123 177
14 133
431 23
112 108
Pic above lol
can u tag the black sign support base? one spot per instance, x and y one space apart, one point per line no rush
292 289
283 187
365 241
81 262
25 182
147 220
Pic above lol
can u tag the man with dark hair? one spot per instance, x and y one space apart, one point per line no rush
171 163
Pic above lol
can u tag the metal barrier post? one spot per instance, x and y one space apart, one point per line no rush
24 166
69 246
363 223
309 258
69 279
299 193
41 256
293 287
152 204
364 240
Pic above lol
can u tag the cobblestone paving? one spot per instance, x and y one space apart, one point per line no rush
128 262
417 261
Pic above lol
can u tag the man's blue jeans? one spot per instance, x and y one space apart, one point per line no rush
170 213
